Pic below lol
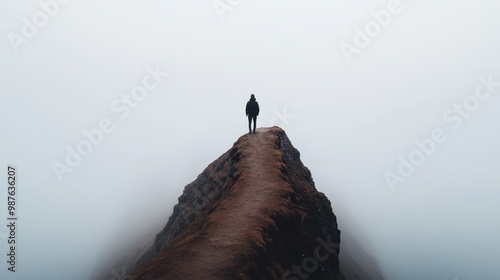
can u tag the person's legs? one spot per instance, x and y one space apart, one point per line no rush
254 123
249 124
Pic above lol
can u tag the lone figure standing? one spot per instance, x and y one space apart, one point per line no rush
252 110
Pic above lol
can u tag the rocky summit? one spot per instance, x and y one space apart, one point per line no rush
253 213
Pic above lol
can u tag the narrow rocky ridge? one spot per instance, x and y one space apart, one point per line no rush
254 213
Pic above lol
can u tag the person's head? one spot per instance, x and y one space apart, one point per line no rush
252 97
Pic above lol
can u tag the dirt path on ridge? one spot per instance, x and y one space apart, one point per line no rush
234 225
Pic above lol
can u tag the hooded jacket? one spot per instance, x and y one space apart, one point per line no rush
252 108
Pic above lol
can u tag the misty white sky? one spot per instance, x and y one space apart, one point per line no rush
350 121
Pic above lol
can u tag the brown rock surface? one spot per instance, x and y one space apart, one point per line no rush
254 213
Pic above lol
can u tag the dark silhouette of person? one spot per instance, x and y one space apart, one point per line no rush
252 110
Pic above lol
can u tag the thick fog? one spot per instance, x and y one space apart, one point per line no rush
109 108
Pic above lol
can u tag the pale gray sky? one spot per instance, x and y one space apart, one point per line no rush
350 121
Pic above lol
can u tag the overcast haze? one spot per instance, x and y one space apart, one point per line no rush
350 121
